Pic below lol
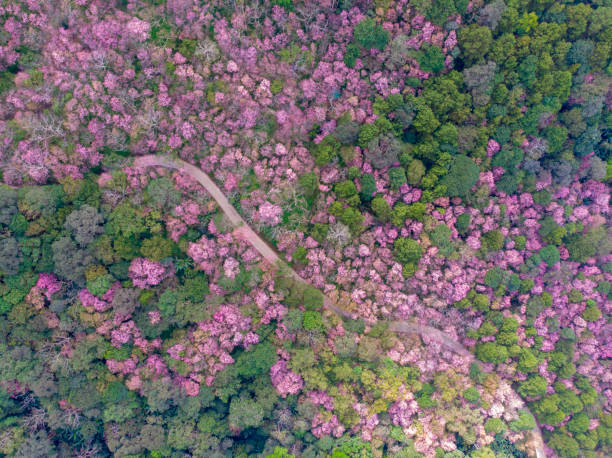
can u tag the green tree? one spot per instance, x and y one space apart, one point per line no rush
280 452
163 193
416 170
381 208
245 413
534 386
462 176
475 42
345 189
368 34
368 187
492 240
463 223
431 59
397 177
313 321
407 251
125 221
491 352
564 445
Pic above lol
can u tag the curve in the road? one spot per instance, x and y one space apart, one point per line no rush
268 253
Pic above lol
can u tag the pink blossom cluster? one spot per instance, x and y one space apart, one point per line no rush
144 272
284 379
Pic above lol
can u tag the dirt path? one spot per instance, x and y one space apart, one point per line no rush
244 230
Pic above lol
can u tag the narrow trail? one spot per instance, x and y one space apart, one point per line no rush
243 230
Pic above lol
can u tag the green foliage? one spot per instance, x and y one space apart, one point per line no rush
491 352
440 237
593 242
494 425
125 221
368 187
312 298
381 208
534 386
492 240
351 55
527 361
407 251
157 248
416 171
471 394
566 446
525 422
368 34
431 59
550 255
326 150
245 413
462 223
313 321
463 174
100 284
397 177
255 361
345 189
280 452
195 286
367 133
591 312
494 277
474 41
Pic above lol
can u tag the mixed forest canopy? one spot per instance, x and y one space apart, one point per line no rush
440 165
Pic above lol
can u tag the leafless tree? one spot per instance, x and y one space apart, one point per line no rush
90 451
44 127
207 50
36 419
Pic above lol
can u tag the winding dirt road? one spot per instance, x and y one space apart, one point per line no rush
243 230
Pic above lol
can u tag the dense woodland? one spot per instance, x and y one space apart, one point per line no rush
442 162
